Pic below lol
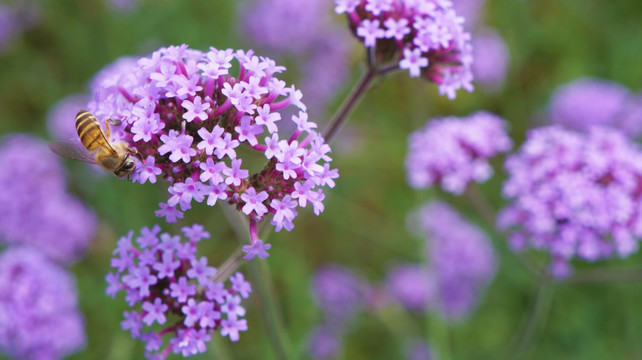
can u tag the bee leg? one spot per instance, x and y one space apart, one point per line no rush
111 122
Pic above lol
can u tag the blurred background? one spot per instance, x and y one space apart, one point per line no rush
50 50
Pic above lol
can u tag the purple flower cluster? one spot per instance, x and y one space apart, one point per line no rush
461 257
35 208
195 125
177 290
39 317
303 30
574 195
588 102
426 37
451 152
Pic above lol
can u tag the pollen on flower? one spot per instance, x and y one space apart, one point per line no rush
193 123
177 302
424 37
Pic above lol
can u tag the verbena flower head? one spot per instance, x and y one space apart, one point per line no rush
35 209
177 300
588 102
451 152
196 117
425 37
491 59
338 292
574 195
411 285
304 31
461 257
39 316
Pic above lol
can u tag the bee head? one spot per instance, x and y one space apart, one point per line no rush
126 169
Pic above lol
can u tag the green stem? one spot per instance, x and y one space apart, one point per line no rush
348 105
541 307
229 266
438 334
263 288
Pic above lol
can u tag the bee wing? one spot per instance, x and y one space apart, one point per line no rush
72 151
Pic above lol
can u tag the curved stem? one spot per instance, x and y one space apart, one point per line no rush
263 287
229 266
539 313
348 105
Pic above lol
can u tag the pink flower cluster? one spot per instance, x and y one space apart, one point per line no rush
452 152
196 125
574 195
425 37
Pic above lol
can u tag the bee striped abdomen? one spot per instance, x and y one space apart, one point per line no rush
90 132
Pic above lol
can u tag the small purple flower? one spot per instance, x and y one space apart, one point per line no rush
195 109
37 301
174 284
452 152
258 248
587 102
461 259
425 38
574 195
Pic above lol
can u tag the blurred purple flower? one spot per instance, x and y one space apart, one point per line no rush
8 26
16 19
324 343
338 292
199 157
61 119
305 31
451 152
588 102
163 276
411 285
462 259
472 11
491 59
39 316
574 195
425 37
36 210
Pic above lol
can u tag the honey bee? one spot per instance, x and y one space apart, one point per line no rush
111 156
